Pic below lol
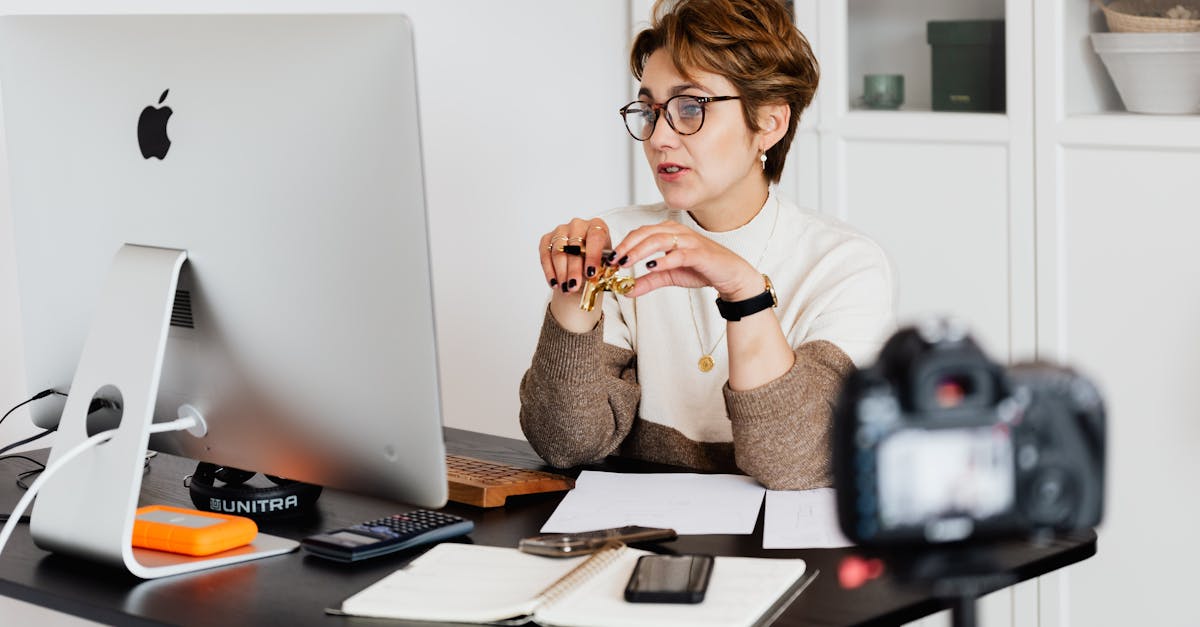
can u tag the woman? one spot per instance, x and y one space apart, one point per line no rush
663 373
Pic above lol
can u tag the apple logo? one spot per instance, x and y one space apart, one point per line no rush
152 130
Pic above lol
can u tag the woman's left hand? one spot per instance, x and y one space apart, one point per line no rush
690 260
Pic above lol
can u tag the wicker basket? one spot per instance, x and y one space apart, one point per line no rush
1123 16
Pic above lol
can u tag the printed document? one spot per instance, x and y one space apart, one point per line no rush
689 503
802 519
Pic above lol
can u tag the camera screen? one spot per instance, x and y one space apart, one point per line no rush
926 475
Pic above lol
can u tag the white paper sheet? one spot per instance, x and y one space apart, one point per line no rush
804 519
689 503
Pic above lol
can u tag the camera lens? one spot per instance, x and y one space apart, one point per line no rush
1050 497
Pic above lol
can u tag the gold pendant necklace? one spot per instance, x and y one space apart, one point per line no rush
706 362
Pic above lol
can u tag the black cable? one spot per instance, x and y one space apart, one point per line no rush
36 397
27 440
28 473
24 457
21 477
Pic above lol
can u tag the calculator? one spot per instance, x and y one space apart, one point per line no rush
386 535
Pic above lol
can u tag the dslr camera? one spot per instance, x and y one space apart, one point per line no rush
936 443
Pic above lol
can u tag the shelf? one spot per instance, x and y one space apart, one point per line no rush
1094 114
927 126
1131 130
890 38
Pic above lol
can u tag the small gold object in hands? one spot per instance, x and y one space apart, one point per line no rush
606 281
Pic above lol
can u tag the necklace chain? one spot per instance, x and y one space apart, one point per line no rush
706 362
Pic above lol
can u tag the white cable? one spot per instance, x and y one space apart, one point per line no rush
179 424
175 425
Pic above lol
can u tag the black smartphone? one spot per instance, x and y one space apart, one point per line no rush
669 579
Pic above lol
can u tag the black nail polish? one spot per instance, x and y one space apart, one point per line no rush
572 284
622 260
565 288
553 282
608 257
651 263
573 250
591 271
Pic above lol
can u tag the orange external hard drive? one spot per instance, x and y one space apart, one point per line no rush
190 531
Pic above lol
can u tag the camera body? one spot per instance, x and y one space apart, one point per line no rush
936 443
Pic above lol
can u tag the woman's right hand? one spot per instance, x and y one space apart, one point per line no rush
566 273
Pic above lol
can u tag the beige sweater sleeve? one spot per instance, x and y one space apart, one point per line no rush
781 430
579 397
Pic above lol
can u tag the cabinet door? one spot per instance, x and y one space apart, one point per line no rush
1121 299
941 213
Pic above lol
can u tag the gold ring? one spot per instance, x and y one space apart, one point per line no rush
674 242
561 237
571 239
597 227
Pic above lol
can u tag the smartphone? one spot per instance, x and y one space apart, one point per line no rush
571 544
669 579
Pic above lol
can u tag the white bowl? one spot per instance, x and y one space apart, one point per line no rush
1154 72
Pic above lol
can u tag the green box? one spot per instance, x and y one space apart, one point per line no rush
968 65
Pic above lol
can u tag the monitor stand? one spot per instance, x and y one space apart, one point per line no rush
87 509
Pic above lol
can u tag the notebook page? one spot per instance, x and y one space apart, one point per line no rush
461 582
741 589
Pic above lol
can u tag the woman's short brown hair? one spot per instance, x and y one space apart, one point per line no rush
753 43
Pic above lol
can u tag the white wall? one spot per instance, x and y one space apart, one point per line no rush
495 186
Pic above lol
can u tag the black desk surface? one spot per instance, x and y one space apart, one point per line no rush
293 589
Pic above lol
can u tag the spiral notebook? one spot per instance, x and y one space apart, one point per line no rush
481 584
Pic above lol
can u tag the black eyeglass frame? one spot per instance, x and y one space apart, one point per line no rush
657 107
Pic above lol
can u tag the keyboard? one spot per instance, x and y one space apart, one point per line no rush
489 484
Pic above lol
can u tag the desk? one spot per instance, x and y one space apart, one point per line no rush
293 589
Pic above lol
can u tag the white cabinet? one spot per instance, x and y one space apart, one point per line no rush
1065 228
1119 294
948 195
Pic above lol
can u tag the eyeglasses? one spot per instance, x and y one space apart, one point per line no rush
685 114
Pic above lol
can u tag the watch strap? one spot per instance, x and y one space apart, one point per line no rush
738 309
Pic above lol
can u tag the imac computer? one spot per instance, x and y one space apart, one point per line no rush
221 217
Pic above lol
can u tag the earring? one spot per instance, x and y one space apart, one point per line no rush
763 159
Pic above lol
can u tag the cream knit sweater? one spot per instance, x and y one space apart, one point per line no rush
633 385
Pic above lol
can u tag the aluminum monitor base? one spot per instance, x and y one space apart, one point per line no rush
87 509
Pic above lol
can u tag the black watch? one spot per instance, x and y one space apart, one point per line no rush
740 309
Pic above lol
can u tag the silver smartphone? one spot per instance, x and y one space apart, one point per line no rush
582 543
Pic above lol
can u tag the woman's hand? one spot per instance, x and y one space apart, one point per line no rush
565 273
758 351
690 260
